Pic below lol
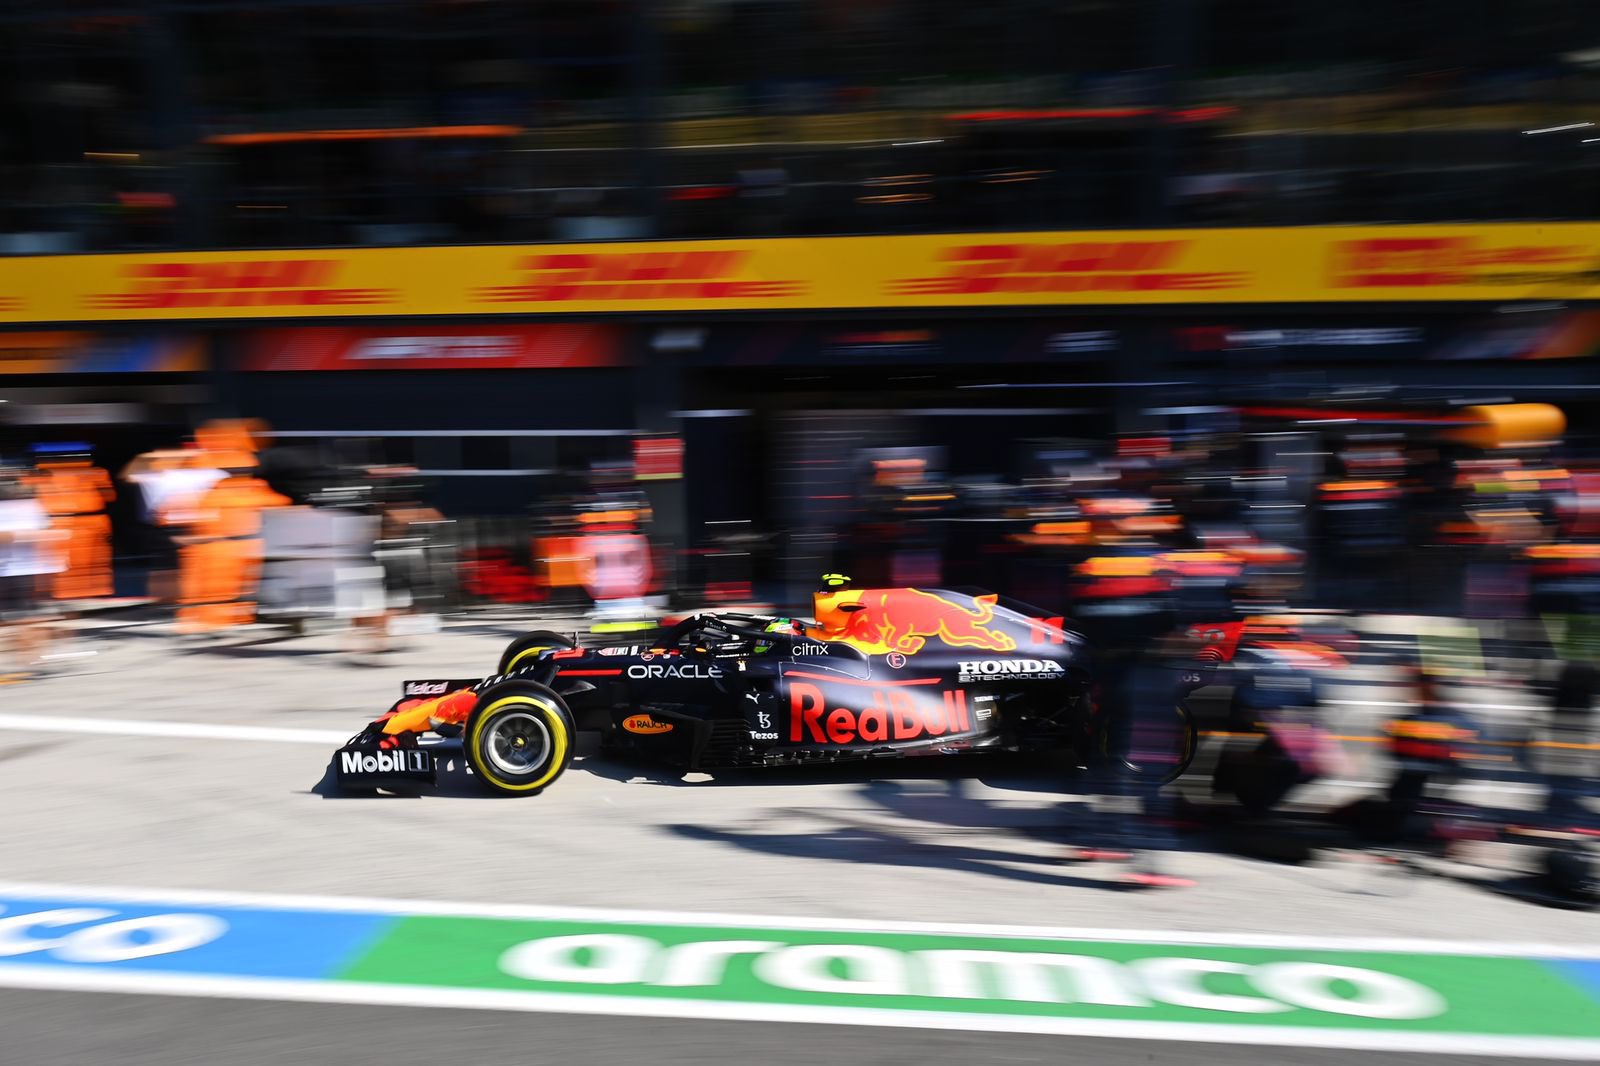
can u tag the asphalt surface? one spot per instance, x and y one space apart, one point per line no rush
928 841
54 1029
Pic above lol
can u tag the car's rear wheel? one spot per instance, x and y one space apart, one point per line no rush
1154 747
526 648
519 738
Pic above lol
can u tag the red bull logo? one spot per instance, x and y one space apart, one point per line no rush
892 715
885 621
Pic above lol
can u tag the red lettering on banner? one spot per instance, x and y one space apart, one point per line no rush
1079 266
234 283
698 274
1424 262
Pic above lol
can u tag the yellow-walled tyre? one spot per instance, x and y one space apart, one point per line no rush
525 649
519 738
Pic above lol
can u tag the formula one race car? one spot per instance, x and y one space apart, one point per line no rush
882 673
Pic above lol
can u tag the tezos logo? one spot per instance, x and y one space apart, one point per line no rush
384 762
763 719
644 725
1024 669
763 736
698 671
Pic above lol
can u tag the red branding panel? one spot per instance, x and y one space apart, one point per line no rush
488 347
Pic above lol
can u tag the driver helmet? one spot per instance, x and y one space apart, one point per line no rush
786 626
835 599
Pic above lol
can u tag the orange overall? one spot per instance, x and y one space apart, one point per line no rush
75 494
220 561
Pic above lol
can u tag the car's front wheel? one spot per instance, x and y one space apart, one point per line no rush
519 738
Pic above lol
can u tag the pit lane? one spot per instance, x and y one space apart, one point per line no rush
921 841
48 1029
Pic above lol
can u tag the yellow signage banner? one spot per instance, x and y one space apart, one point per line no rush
1503 262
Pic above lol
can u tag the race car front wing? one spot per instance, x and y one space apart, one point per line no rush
361 764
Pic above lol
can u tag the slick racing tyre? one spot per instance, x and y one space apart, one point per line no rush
519 738
1159 750
526 648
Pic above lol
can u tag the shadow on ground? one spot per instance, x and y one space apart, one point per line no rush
951 827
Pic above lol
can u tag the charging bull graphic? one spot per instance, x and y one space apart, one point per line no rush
883 621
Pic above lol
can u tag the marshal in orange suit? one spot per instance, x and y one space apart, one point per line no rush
75 493
220 559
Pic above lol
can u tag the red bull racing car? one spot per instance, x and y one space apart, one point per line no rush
881 673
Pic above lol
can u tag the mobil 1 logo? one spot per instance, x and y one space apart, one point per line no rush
366 766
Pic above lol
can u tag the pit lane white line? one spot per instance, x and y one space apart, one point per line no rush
352 992
541 912
129 727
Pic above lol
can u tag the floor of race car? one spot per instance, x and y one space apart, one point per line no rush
156 767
